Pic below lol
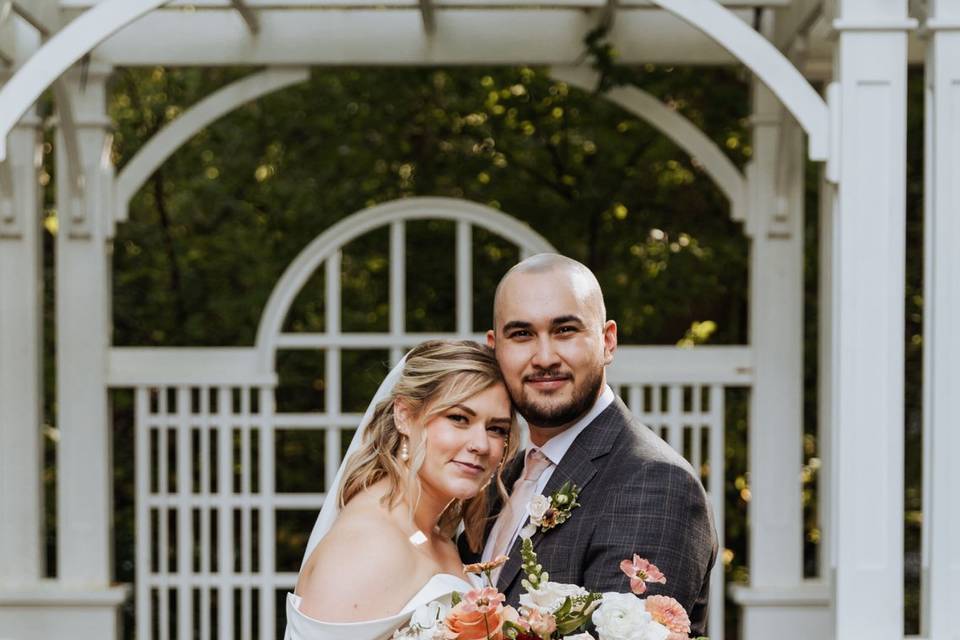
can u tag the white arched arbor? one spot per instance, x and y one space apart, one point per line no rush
861 136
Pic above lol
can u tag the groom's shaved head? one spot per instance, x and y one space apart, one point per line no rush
552 341
571 273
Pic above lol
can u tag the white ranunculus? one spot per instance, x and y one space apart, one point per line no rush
425 624
538 507
550 596
623 616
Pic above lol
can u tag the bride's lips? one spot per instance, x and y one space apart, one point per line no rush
469 467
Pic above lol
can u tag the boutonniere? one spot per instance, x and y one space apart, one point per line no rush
549 512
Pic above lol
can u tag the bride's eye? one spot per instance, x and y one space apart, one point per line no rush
458 418
503 432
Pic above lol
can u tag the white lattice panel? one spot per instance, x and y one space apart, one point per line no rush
204 460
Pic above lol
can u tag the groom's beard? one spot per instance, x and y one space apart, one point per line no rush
552 415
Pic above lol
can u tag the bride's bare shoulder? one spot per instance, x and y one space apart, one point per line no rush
364 568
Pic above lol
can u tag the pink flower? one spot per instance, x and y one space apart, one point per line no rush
483 600
542 624
670 614
640 571
483 567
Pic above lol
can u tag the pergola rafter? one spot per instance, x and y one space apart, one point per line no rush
249 16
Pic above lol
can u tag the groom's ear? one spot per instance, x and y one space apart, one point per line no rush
491 339
609 341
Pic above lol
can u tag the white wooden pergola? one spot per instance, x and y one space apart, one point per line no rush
858 49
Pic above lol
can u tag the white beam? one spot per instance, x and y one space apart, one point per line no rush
673 125
941 340
867 306
162 145
463 37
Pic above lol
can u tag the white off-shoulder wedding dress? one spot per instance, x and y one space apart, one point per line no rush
302 627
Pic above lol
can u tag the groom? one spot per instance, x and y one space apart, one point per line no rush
637 495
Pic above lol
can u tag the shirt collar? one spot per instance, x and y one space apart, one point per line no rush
556 447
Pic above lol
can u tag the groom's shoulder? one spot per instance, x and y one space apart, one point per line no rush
638 449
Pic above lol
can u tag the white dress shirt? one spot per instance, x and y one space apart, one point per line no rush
554 449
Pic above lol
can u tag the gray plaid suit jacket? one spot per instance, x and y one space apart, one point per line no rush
639 496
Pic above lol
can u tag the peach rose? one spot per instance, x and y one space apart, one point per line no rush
479 616
671 614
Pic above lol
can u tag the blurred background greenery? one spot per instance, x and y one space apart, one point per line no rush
211 232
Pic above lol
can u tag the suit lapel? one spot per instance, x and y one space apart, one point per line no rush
577 467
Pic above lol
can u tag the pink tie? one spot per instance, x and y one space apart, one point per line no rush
517 506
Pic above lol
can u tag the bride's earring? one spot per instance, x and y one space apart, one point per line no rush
404 451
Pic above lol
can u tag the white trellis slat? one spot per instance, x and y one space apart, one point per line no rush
220 443
267 513
398 285
464 286
717 420
142 441
206 435
183 511
246 524
225 513
163 520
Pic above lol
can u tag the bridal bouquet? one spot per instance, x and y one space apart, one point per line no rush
553 611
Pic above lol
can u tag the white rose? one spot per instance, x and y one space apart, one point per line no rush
550 596
623 616
538 507
580 636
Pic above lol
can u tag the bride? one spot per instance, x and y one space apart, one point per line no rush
436 434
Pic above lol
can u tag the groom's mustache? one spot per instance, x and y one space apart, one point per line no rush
547 375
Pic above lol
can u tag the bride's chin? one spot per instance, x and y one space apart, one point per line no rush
464 492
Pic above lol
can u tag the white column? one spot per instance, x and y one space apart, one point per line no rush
84 500
941 353
21 361
777 602
84 460
867 308
776 336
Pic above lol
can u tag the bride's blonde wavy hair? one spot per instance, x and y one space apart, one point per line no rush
438 375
